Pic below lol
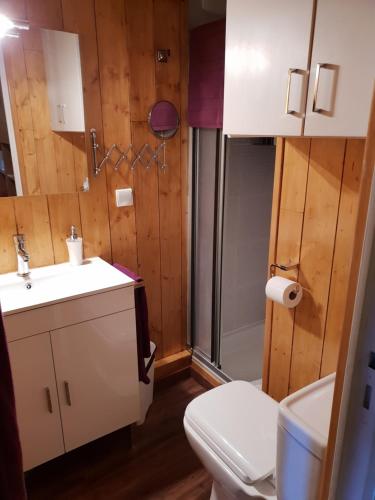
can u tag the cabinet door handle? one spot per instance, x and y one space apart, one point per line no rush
67 393
315 108
291 72
60 111
49 399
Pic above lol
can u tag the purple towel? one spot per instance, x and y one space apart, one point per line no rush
141 316
12 485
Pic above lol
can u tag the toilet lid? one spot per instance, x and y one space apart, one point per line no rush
239 423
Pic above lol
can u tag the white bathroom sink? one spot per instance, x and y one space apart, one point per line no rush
57 283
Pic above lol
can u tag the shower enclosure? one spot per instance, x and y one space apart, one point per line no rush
231 215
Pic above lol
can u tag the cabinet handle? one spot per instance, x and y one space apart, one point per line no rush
291 71
61 116
315 108
67 393
49 399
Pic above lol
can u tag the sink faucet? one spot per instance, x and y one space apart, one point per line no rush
23 257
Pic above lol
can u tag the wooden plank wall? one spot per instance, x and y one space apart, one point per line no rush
316 214
121 81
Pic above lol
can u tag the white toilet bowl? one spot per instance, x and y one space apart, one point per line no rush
239 433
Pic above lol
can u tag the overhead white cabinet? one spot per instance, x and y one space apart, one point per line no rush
97 377
268 74
64 80
342 69
37 405
266 65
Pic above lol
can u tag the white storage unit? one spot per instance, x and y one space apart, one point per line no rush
268 75
36 398
342 69
64 80
75 370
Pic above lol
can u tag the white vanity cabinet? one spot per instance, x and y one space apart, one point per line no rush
64 80
95 363
73 359
272 88
36 398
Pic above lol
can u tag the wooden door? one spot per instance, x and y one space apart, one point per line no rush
342 69
266 60
37 405
97 376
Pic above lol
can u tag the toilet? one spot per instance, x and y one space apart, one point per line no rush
256 448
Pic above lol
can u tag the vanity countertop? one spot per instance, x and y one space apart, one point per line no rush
59 283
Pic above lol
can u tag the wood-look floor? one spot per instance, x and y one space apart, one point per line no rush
159 465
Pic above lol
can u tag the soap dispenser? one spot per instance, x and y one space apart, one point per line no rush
74 244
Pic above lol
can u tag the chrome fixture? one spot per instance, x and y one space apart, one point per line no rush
146 155
23 258
282 267
162 55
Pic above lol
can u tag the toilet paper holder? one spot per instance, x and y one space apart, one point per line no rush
282 267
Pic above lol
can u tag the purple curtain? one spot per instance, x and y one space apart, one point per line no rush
206 75
11 474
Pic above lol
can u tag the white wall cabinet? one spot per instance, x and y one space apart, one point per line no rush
36 399
265 42
78 380
64 80
268 75
343 52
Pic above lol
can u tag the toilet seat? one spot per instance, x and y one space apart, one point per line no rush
238 423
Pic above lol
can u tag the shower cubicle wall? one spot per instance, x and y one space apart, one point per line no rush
232 198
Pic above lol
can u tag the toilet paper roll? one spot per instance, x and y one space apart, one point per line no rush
284 291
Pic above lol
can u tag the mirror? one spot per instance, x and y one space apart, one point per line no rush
42 124
163 120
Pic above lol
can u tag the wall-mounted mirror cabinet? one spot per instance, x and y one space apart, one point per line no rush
42 124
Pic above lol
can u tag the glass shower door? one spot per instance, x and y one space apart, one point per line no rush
249 171
205 141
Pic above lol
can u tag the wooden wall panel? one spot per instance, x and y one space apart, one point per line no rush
63 212
21 108
148 242
317 247
345 236
140 31
166 29
118 42
316 220
115 87
8 226
32 219
288 248
184 164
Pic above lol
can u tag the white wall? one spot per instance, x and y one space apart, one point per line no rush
247 218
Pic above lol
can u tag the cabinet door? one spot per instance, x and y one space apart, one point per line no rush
97 376
64 80
266 63
36 399
342 68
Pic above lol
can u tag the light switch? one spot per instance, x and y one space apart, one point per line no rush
124 197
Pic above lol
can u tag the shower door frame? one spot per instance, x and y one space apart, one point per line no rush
212 361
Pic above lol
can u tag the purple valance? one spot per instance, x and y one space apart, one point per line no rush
206 75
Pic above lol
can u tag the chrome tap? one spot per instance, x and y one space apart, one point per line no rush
23 257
